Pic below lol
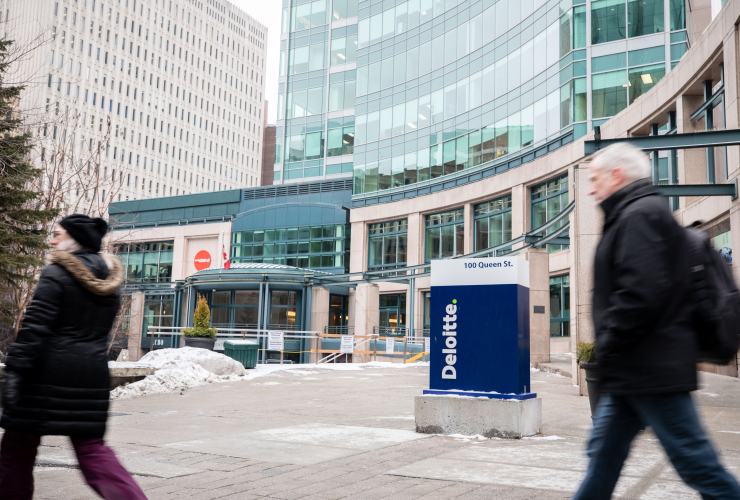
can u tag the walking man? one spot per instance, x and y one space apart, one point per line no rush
645 343
56 380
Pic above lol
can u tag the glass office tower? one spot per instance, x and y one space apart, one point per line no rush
398 93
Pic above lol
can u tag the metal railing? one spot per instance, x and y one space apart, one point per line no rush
259 335
340 330
391 331
362 344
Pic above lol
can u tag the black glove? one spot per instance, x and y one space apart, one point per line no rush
11 390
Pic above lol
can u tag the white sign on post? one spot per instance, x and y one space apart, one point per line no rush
348 344
275 340
389 346
426 344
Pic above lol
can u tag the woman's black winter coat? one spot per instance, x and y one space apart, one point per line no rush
60 354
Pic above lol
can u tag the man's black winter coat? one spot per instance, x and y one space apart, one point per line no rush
641 308
60 354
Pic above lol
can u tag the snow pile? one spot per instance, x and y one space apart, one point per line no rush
214 362
179 369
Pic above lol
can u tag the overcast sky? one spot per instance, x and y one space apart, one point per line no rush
268 12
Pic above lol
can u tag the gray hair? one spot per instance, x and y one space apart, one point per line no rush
634 163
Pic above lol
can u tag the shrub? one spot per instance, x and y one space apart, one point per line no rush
201 321
585 352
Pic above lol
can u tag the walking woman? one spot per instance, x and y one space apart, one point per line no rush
56 379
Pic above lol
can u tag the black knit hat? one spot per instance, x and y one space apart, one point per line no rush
86 231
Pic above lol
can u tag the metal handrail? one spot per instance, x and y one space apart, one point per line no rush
239 332
340 330
390 331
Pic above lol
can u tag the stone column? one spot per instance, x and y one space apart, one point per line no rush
367 314
358 248
587 220
469 229
136 323
539 296
732 104
692 163
519 210
319 315
415 240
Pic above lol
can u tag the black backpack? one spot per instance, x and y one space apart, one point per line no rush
716 299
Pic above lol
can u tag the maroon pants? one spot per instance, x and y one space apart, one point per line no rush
102 470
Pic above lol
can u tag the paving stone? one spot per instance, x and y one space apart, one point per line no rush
247 415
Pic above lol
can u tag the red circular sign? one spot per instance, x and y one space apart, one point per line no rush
202 260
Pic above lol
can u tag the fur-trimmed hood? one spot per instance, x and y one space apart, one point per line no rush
86 278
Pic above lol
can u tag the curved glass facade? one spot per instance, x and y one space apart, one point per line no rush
442 86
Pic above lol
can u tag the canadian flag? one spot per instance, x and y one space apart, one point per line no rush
227 264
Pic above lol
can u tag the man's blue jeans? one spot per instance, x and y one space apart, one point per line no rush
675 422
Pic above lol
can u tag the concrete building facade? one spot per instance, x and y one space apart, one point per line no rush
162 97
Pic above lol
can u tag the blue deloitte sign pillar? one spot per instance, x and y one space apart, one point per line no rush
480 328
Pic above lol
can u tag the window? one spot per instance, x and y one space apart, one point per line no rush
444 234
341 95
235 309
548 200
338 310
607 21
677 10
643 79
608 93
387 245
343 50
560 306
342 9
317 247
340 141
493 224
146 262
645 17
392 314
284 310
158 311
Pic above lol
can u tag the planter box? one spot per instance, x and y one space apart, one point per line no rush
200 342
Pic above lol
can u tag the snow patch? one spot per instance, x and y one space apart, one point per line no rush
212 361
186 367
179 369
467 439
545 438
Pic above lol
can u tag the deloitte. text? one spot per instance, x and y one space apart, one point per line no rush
450 333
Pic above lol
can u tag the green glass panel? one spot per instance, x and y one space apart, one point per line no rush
677 9
579 27
677 51
461 152
607 21
645 17
643 79
579 105
608 93
608 63
647 56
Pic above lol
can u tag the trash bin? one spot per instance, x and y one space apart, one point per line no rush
244 351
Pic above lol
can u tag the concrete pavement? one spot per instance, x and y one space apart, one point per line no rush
308 433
